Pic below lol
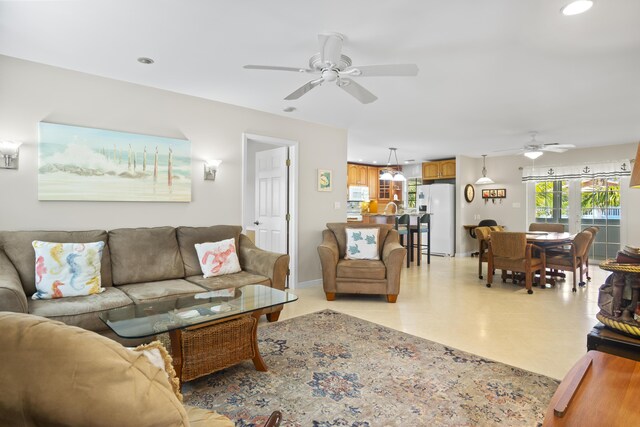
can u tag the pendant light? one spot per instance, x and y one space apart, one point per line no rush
484 179
388 174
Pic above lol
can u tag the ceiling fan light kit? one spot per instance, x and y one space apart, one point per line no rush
484 179
333 66
534 154
577 7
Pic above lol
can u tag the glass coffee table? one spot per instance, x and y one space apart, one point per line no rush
209 331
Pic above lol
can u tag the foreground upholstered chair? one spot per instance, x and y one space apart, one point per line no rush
510 251
53 374
359 276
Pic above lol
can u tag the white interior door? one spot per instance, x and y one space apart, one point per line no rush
271 199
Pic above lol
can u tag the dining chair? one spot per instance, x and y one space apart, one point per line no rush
482 235
509 251
573 259
402 225
487 223
423 225
546 226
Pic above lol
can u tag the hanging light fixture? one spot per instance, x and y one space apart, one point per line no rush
484 179
389 174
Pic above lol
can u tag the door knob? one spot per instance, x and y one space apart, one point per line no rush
256 222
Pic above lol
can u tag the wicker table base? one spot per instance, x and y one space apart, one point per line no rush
203 349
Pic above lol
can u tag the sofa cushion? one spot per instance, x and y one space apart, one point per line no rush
17 246
81 311
61 375
67 269
234 280
145 255
338 229
162 290
218 258
361 269
189 236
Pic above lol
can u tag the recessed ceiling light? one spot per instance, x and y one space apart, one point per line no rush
577 7
145 60
374 162
359 160
289 109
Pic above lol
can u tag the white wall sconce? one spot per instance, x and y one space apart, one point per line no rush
9 154
211 169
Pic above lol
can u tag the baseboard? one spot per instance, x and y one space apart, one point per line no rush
463 254
309 284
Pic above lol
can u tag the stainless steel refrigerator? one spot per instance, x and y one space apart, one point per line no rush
439 200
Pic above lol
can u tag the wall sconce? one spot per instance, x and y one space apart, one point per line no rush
210 169
9 152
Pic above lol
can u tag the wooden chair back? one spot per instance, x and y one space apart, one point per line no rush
546 226
508 244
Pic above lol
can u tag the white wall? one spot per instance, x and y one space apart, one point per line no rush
30 93
512 212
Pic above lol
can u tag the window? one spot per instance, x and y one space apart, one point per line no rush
600 206
552 201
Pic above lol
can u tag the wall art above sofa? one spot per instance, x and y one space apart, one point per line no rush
87 164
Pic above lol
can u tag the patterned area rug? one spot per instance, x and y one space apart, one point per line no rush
331 369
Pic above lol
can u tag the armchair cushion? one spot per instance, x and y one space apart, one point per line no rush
362 243
361 269
338 229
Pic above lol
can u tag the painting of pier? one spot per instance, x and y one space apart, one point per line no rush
79 163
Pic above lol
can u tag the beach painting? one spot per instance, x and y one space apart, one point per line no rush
80 163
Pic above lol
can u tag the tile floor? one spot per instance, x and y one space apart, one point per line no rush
446 302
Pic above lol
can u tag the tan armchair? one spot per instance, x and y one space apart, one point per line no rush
53 374
510 251
377 277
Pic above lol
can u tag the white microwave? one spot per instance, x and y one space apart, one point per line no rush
358 193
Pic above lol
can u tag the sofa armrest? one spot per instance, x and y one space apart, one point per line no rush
258 261
12 296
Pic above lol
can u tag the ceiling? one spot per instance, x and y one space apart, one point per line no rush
491 71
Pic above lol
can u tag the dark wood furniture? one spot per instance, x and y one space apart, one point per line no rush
600 390
606 340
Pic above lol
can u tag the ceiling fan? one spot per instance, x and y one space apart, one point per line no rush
535 148
332 66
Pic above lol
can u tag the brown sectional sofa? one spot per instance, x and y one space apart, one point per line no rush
138 265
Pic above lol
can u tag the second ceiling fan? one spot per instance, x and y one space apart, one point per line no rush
332 66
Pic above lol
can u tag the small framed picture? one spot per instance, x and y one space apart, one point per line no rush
325 180
493 193
502 193
485 194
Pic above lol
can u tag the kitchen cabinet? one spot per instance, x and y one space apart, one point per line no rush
441 169
357 174
388 189
373 176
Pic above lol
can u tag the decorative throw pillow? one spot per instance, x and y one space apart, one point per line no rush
218 258
362 243
159 357
67 269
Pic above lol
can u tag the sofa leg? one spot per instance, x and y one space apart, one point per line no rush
273 317
392 298
331 296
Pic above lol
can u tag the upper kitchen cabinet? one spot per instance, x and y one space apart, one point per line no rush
373 175
357 174
441 169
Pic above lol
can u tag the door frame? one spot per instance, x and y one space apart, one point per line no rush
292 193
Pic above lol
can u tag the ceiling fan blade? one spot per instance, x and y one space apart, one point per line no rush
553 149
276 68
304 89
330 47
357 91
385 70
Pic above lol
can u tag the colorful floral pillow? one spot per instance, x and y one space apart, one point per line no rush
218 258
362 243
67 269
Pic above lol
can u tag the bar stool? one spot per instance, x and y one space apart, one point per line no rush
423 225
402 227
